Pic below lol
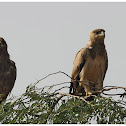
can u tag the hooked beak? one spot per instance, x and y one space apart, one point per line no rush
102 33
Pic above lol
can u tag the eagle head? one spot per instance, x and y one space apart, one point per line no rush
3 44
97 35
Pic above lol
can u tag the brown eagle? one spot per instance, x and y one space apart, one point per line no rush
7 71
90 66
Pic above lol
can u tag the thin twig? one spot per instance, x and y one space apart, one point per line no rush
61 88
113 87
57 84
110 94
46 77
65 74
67 94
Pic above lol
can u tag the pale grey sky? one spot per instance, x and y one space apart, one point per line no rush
44 38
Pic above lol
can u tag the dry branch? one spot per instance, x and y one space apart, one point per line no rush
84 83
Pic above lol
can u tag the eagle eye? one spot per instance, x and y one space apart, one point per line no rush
97 32
3 43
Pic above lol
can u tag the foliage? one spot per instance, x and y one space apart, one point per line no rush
103 111
40 106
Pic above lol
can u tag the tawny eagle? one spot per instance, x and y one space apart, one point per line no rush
7 71
90 66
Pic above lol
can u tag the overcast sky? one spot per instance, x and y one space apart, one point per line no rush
44 38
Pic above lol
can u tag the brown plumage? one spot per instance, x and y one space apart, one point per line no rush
7 71
90 66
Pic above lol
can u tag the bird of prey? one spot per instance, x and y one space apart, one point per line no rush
7 71
90 66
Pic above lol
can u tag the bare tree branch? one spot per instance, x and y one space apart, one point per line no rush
106 88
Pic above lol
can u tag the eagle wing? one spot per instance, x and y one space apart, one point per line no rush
106 64
78 64
7 78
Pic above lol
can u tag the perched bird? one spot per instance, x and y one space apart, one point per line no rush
7 71
90 66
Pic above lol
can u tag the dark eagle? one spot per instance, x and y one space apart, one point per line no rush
7 71
90 66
